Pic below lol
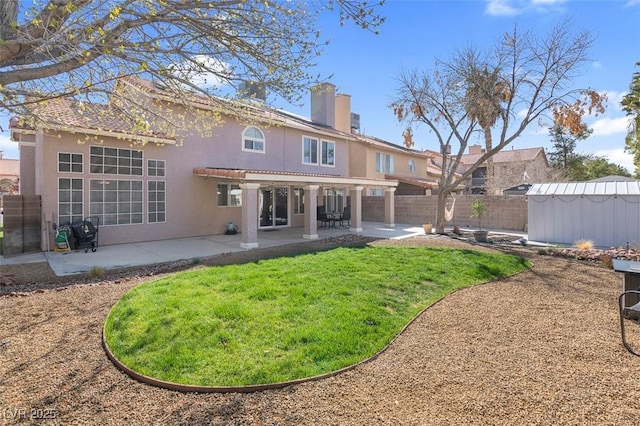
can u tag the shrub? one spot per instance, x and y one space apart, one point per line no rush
583 245
97 271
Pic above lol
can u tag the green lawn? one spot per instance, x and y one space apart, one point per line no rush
286 318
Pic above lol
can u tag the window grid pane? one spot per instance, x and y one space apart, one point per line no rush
70 200
68 162
115 161
156 204
116 202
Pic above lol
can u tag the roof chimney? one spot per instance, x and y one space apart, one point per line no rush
323 104
343 112
475 149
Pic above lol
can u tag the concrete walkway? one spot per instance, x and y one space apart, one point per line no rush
148 253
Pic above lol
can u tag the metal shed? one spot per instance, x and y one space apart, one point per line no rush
607 213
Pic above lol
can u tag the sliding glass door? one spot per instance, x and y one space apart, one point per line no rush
274 207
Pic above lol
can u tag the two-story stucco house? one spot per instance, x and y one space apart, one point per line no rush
267 171
511 167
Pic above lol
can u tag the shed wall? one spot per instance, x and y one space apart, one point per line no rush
607 220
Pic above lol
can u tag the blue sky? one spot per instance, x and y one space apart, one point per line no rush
417 32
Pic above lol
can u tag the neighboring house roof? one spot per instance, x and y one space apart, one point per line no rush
283 176
507 156
382 144
66 114
9 167
586 188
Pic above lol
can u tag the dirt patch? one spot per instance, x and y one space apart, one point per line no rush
542 347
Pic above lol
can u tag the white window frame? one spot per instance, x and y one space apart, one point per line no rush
253 140
71 163
70 203
119 204
323 144
118 161
232 200
412 165
384 163
154 194
160 166
312 141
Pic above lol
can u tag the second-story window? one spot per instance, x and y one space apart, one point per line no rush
384 163
309 150
253 140
328 153
412 166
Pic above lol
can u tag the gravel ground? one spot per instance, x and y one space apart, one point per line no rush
542 347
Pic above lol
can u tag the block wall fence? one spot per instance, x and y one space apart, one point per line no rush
21 221
506 212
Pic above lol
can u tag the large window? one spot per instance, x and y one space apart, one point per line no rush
116 161
253 140
156 201
309 150
328 153
116 202
70 199
384 163
68 162
229 195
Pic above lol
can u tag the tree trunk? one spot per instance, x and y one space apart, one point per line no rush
489 146
8 14
442 197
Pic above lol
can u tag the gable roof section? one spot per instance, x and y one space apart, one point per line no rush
245 110
70 115
585 188
507 156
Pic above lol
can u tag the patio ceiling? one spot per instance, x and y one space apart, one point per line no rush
265 176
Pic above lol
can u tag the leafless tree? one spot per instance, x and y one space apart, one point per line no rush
522 80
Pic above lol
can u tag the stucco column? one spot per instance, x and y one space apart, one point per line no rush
389 207
356 209
311 212
249 215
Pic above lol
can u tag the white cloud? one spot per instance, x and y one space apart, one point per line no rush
610 126
632 3
501 8
618 156
547 2
204 71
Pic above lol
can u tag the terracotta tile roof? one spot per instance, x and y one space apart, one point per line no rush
250 109
507 156
72 115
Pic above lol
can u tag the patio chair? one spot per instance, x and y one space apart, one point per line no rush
346 216
322 217
629 311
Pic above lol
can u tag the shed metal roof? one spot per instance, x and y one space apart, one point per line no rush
586 188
